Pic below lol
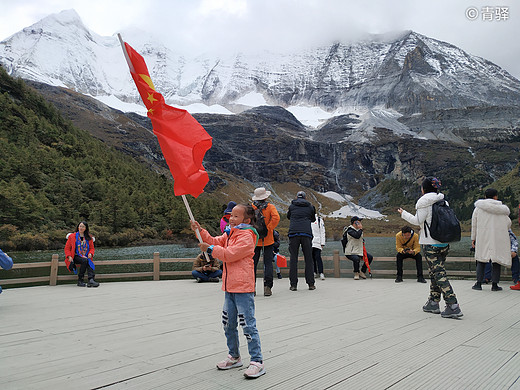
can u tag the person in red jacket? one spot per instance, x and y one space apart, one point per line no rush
79 250
235 249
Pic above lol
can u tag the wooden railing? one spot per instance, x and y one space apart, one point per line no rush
341 266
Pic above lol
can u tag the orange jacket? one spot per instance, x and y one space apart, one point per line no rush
236 252
70 246
271 220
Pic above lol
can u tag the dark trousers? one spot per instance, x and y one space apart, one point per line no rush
418 264
357 259
317 261
268 263
206 275
495 274
294 247
83 266
515 269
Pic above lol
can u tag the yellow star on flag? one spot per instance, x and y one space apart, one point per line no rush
151 98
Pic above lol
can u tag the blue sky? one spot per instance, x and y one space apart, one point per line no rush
197 25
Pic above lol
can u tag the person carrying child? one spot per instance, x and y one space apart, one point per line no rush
236 249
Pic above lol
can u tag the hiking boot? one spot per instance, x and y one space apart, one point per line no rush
293 288
362 275
312 287
477 286
92 283
431 307
229 362
267 291
214 280
322 276
254 370
356 275
398 279
496 287
279 275
420 279
81 283
515 287
452 311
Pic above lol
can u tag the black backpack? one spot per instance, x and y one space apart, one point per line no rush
344 239
445 226
260 225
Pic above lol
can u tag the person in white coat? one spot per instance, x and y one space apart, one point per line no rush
490 225
434 252
318 242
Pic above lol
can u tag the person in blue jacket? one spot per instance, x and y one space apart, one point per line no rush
5 262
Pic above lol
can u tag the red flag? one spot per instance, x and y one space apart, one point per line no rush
183 140
365 258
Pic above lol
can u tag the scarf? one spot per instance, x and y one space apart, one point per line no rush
82 247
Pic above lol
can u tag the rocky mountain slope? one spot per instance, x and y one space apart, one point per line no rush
269 145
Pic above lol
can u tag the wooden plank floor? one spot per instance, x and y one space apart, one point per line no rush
367 334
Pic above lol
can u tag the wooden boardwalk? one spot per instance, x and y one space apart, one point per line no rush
367 334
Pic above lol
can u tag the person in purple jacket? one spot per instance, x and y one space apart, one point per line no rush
5 262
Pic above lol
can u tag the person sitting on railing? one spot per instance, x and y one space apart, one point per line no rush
407 246
79 249
354 247
205 271
5 262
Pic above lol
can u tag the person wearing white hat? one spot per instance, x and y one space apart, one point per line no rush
268 213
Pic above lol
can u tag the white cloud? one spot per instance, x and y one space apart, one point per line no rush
203 25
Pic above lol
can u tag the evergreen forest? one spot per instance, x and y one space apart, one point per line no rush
53 175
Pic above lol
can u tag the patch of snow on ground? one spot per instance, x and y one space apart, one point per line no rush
352 209
114 102
310 116
252 99
200 108
194 108
336 196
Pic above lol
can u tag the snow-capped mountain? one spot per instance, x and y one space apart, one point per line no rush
380 78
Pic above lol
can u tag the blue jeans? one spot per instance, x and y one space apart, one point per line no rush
241 307
515 269
205 277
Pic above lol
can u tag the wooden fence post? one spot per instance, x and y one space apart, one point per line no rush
156 266
54 271
335 258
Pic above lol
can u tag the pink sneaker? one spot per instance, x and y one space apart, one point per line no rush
229 362
254 370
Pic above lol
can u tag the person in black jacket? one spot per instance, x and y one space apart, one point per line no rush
301 213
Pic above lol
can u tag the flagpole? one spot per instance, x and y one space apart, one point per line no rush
193 219
132 70
127 58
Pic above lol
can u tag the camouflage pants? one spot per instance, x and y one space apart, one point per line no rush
435 257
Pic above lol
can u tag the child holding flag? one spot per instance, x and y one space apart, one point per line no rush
236 249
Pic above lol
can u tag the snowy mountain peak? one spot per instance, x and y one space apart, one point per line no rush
400 72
